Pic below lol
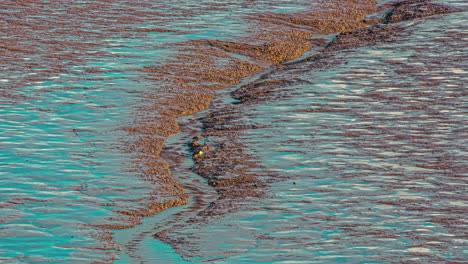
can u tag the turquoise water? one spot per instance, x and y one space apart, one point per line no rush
61 166
72 83
367 160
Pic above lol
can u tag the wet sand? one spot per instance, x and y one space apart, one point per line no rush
188 83
203 67
219 153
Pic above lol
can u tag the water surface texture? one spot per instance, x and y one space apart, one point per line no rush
361 160
71 86
363 151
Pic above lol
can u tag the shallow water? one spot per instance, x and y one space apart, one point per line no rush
366 161
353 189
71 81
374 155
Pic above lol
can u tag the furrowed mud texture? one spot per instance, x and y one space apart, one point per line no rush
185 84
218 155
82 48
408 10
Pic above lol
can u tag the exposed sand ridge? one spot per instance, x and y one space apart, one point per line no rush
223 160
186 83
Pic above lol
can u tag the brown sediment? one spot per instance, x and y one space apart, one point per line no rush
260 90
266 88
217 155
362 37
221 158
186 85
408 10
223 162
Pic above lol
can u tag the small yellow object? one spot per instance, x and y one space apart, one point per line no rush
200 152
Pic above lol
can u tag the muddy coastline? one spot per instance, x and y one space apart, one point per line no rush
215 152
223 160
59 63
186 83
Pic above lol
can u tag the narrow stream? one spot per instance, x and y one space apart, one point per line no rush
366 156
364 159
70 86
